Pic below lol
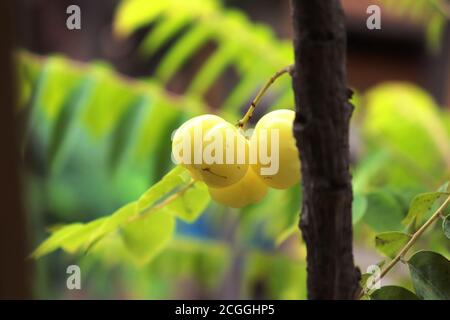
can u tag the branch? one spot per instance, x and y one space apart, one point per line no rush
412 241
321 129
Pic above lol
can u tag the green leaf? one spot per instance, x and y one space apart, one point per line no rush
176 178
190 203
148 236
112 224
390 243
77 236
70 238
430 274
420 205
55 241
446 226
393 293
384 211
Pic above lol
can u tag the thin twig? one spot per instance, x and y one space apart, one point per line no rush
436 215
241 123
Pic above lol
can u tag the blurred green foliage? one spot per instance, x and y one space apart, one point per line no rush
431 14
97 142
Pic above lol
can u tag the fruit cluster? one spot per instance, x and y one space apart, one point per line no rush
235 166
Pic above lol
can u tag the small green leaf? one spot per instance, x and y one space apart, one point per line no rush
446 226
430 274
70 238
112 224
390 243
190 203
176 178
77 236
420 205
146 237
54 242
393 293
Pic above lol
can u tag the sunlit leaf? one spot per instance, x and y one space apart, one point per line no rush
420 205
112 224
148 236
71 238
56 239
190 203
390 243
175 178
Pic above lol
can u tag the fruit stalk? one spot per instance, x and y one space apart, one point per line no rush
248 115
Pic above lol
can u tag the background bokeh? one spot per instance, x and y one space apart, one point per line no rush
99 106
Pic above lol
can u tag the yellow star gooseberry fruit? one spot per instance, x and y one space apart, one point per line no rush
250 189
186 131
288 173
217 152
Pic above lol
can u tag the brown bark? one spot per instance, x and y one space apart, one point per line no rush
321 129
14 273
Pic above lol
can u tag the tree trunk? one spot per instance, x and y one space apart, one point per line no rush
321 129
14 271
